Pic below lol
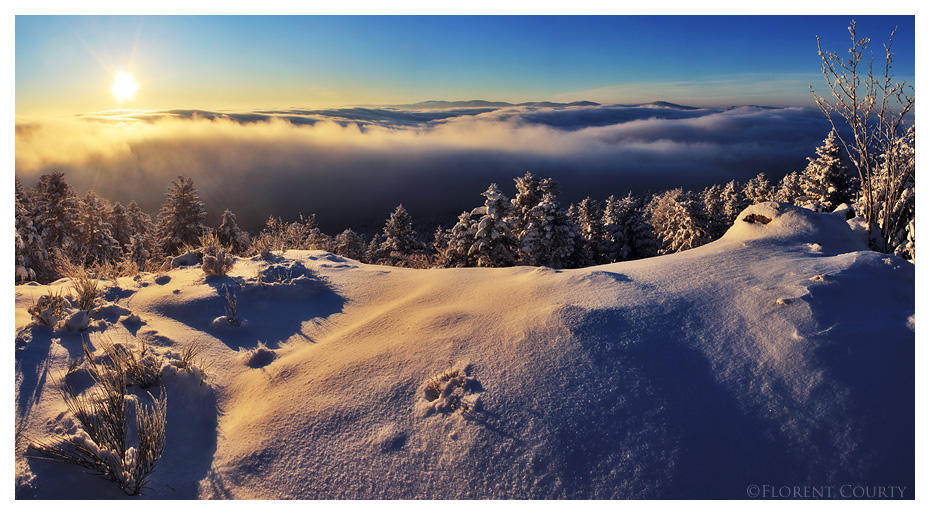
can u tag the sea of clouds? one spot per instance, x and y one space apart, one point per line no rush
351 166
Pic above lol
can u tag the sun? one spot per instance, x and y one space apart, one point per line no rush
124 86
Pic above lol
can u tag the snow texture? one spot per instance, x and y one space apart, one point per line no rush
782 353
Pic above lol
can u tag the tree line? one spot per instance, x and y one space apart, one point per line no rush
54 225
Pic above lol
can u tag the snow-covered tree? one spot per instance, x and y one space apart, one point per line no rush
530 191
494 244
56 212
678 221
95 232
350 244
758 189
715 211
230 234
139 250
31 257
627 234
120 226
734 201
400 239
452 249
182 218
825 182
588 217
549 236
790 190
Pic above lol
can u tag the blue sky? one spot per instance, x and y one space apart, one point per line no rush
65 64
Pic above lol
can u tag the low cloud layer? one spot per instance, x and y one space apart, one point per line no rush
351 166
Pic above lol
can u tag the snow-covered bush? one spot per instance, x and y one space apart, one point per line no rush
217 258
49 309
119 436
142 367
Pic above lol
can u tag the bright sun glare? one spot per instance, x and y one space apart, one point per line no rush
124 86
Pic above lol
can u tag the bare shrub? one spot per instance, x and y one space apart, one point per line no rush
49 309
86 288
104 443
232 307
141 367
191 359
874 108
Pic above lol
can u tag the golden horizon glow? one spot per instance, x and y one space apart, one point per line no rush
124 86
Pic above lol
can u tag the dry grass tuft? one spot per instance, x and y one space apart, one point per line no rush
104 443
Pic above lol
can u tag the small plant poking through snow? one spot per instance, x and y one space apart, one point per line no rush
86 289
191 361
49 309
232 307
104 443
142 368
453 391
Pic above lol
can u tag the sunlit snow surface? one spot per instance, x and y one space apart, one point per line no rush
782 354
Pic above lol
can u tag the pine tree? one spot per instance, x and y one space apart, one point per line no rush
677 220
627 234
120 226
715 211
734 201
588 217
350 244
139 250
230 234
31 257
825 181
530 191
400 239
456 242
56 212
790 190
95 232
494 244
549 236
182 218
758 189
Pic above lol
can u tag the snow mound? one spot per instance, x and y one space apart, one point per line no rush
783 223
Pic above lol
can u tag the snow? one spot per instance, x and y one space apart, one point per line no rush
782 353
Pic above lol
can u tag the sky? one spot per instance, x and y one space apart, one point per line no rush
65 65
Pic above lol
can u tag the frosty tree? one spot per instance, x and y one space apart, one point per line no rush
549 236
758 189
182 217
587 215
350 244
400 239
627 235
715 211
678 222
95 232
56 211
734 201
31 256
494 243
873 110
824 182
230 234
456 242
790 189
530 191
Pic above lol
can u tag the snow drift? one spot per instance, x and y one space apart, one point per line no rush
782 354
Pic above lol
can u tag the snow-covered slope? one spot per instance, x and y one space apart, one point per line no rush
782 354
